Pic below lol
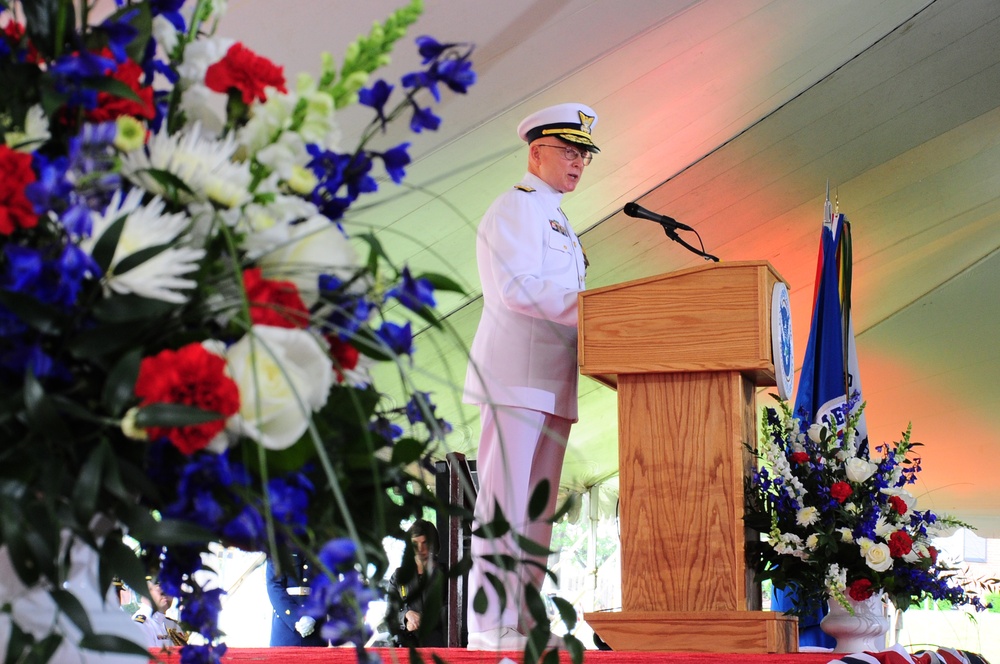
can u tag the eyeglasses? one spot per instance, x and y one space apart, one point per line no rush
572 154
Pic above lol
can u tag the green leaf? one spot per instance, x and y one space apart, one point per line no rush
119 388
536 605
143 527
565 509
574 647
498 587
121 562
441 282
566 612
46 22
480 602
173 415
530 546
407 451
112 86
171 184
71 606
42 414
138 258
539 500
112 643
104 249
105 340
131 308
88 484
45 319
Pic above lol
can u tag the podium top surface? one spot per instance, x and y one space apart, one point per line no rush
714 317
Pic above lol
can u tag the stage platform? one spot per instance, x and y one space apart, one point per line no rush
457 656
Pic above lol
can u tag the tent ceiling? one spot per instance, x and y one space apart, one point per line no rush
732 116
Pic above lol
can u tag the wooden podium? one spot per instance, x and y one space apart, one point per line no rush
685 351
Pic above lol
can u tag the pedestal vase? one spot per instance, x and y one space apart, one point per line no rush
862 632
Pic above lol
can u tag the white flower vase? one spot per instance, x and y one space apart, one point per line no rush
34 611
865 631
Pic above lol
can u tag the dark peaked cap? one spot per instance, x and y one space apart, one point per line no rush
570 122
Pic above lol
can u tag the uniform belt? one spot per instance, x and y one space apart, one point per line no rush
298 591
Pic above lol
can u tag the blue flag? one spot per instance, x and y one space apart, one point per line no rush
822 386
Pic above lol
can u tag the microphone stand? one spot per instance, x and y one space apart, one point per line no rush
672 234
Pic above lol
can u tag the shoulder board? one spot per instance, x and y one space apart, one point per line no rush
139 618
523 187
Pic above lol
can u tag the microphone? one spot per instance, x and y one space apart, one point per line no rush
639 212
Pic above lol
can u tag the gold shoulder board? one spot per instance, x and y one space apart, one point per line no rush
523 187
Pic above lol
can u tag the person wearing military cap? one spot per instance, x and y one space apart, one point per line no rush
160 630
523 369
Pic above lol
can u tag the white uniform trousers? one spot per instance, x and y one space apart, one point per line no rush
517 450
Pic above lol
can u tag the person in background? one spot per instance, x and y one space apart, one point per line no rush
159 629
288 593
408 600
523 369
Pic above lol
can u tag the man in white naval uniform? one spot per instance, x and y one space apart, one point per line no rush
159 630
523 369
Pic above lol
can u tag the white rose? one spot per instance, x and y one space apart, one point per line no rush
807 516
815 432
314 247
878 558
859 470
291 377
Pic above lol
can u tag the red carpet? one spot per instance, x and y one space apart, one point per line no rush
456 656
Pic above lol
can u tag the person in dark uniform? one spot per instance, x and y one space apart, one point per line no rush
407 601
288 593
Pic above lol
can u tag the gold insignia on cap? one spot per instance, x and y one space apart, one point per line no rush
586 121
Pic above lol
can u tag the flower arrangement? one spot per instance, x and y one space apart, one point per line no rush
841 523
186 327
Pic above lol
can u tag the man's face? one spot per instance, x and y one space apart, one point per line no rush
161 600
420 549
548 162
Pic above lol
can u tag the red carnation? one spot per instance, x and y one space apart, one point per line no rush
16 211
245 71
111 106
798 457
274 303
841 491
900 544
345 356
194 377
897 504
932 553
14 32
860 590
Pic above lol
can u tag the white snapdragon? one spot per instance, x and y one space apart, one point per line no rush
790 544
36 131
164 33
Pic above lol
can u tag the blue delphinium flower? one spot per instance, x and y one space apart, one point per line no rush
290 500
398 338
414 294
349 311
201 608
394 160
423 118
376 97
120 34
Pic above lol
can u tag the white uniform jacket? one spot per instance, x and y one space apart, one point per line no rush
531 266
